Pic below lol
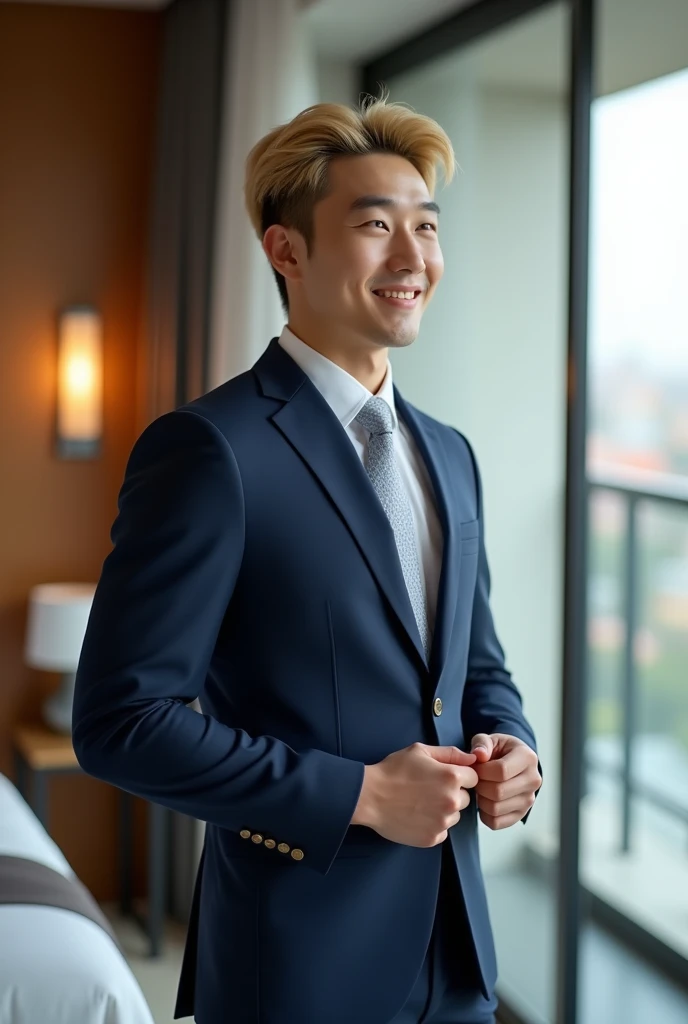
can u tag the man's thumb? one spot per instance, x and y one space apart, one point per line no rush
482 746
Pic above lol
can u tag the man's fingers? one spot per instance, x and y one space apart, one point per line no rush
508 766
468 777
508 781
482 746
498 791
449 755
504 821
498 808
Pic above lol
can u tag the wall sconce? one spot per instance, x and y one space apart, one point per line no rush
79 383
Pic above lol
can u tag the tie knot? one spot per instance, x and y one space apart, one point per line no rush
376 417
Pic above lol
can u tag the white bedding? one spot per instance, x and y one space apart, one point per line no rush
56 967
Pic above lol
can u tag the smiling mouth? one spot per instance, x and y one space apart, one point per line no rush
403 299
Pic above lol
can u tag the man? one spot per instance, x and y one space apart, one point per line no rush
304 551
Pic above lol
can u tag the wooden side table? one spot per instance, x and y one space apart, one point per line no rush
39 753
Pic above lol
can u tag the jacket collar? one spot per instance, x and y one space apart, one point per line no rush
310 426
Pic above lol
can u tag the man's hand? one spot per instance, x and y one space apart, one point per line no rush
415 795
508 776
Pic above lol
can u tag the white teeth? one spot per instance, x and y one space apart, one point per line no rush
398 295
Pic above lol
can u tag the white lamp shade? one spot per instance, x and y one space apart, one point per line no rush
58 615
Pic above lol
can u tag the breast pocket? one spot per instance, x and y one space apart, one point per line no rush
470 537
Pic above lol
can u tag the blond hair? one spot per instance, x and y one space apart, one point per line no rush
286 172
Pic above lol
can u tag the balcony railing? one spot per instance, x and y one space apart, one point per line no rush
635 486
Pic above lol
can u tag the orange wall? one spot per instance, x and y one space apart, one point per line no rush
77 122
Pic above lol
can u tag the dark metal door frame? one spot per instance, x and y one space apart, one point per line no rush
574 679
468 24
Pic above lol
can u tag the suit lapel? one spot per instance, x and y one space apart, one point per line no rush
312 429
433 454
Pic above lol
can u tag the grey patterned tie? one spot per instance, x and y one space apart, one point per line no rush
376 417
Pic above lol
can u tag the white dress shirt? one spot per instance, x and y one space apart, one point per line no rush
346 397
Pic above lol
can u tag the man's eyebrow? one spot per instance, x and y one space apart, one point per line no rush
365 202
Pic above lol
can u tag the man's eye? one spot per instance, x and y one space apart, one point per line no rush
377 223
433 227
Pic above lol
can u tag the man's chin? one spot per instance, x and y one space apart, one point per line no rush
396 334
402 336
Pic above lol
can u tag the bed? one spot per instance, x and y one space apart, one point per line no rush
57 965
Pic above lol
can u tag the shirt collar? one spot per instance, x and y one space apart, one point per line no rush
343 393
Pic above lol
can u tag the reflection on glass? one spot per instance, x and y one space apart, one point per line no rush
634 815
639 278
639 866
606 625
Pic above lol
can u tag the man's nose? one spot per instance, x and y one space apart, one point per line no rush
407 257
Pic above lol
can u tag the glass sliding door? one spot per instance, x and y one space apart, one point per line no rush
634 815
491 361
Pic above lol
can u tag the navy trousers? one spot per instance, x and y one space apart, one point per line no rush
442 994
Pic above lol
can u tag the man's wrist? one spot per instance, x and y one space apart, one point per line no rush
366 808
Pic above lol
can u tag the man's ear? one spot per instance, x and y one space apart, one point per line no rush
285 248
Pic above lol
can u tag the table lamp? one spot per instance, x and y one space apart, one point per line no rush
58 614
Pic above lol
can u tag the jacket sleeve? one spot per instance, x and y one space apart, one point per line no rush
491 701
162 596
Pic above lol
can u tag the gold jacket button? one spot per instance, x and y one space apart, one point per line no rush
257 838
283 848
270 843
437 707
297 854
245 834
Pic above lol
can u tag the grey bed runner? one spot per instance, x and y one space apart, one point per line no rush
26 881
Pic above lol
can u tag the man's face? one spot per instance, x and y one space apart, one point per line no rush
374 233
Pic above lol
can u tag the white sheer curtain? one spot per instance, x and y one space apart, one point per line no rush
270 76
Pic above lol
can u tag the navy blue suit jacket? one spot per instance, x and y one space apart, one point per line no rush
253 567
